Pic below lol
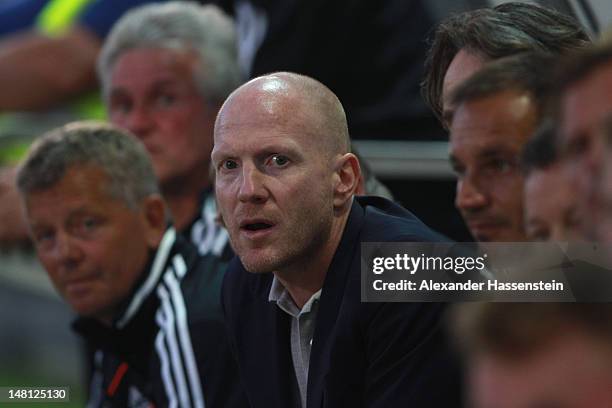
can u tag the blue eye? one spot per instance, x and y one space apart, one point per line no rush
279 160
229 165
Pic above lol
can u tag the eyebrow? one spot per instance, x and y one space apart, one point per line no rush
485 154
494 152
158 85
165 83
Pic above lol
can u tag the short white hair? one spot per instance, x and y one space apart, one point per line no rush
184 27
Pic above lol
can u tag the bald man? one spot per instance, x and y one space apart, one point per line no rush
285 183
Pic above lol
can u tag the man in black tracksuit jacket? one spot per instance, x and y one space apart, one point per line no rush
148 304
168 345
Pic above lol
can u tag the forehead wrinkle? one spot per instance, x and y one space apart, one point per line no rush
167 59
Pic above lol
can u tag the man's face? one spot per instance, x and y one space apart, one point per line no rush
550 206
463 66
486 138
92 245
585 127
153 94
574 371
274 182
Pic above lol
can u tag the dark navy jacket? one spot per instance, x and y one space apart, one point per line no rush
363 354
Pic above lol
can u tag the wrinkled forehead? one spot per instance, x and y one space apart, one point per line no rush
79 187
145 68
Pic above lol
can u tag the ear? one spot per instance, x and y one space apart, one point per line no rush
348 174
154 219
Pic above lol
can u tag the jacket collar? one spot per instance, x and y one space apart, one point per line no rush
144 290
333 295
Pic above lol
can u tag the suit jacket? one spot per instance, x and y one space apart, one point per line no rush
363 354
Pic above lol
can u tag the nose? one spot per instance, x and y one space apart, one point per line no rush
67 252
469 195
139 121
252 185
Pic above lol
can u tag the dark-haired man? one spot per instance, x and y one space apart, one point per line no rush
465 42
585 133
497 111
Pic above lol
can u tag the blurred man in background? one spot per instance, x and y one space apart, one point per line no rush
165 70
463 43
585 124
550 199
496 112
524 355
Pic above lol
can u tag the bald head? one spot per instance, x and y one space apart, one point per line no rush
284 176
282 98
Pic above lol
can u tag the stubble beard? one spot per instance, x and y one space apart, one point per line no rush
298 245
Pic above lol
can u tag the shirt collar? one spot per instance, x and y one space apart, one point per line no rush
280 295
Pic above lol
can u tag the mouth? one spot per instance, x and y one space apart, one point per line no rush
256 228
79 286
484 230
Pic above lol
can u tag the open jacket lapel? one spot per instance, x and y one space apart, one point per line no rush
332 297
